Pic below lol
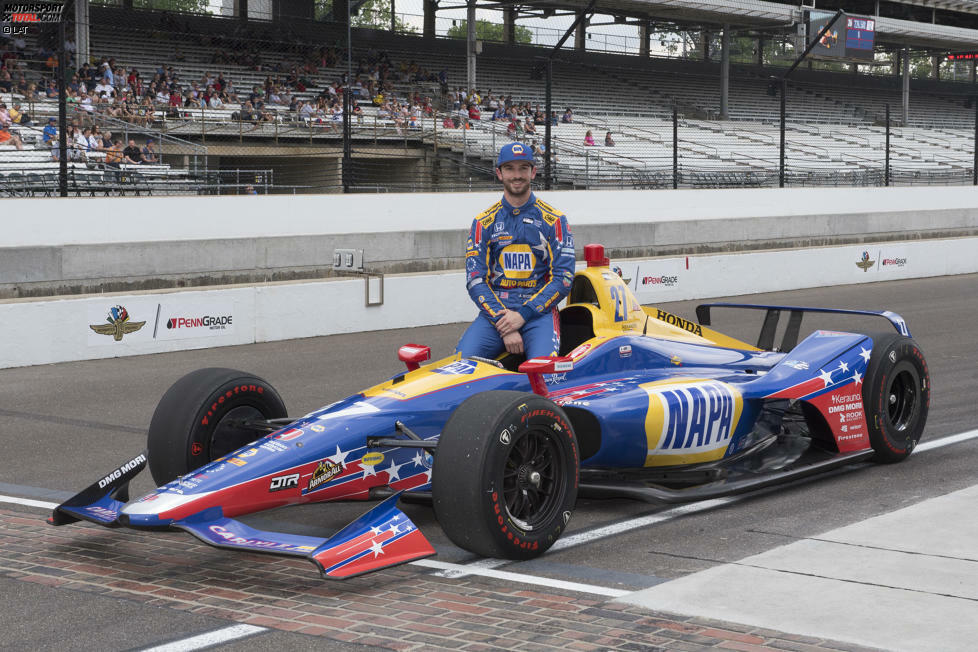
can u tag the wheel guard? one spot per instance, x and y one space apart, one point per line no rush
380 538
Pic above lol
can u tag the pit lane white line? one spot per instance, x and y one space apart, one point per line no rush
28 502
523 579
571 541
485 567
208 639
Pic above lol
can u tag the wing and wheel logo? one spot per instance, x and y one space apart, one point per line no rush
118 324
865 262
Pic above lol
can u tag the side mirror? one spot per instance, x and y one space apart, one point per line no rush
413 355
536 367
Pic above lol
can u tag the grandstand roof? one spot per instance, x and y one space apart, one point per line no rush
760 13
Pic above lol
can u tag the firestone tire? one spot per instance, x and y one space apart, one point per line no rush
896 393
505 475
190 425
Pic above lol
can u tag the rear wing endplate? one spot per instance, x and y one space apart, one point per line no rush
766 338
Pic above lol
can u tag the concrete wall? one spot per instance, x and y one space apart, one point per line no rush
58 246
40 331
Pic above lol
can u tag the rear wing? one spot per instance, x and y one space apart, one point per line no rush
765 340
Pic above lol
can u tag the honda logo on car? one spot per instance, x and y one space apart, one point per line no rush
211 322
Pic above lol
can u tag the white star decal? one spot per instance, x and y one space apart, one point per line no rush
369 469
865 354
392 472
340 457
377 548
542 247
376 530
417 459
826 377
843 366
857 377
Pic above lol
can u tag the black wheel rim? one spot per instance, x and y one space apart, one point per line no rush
228 437
901 399
533 479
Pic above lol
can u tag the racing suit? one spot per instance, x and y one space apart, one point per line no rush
520 258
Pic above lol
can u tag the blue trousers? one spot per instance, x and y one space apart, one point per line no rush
541 337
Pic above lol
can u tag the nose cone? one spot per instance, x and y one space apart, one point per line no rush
162 507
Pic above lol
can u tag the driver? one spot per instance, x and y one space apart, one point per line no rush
519 264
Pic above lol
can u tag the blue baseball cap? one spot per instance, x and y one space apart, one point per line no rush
515 152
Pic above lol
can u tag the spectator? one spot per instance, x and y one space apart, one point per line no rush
94 142
114 157
5 119
13 139
50 132
149 152
107 143
77 144
568 116
19 117
131 154
250 190
529 127
474 113
104 86
589 139
608 140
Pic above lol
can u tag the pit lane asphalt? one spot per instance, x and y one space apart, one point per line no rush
63 425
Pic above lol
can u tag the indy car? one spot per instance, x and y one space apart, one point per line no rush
640 403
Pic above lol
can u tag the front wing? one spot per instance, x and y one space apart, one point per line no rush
382 537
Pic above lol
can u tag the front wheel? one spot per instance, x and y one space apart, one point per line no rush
505 474
195 421
896 393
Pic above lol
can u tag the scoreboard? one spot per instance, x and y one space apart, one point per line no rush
849 38
860 37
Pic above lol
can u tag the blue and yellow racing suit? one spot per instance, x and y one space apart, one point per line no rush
520 258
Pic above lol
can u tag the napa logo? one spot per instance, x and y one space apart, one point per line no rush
691 421
517 261
459 368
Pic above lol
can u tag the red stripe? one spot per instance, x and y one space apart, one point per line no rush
478 232
560 232
556 316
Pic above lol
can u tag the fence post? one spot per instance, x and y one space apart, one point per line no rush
974 165
886 168
784 92
675 147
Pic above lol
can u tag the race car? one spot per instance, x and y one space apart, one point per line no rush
640 403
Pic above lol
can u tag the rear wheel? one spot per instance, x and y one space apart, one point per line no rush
896 393
505 474
194 422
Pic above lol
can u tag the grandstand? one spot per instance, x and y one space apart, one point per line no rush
835 131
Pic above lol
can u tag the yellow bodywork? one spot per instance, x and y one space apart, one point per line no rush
619 312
